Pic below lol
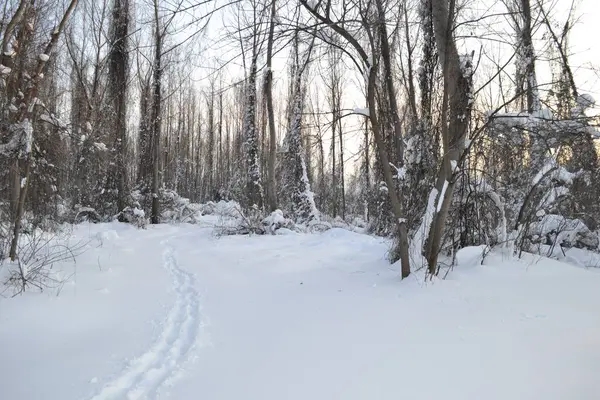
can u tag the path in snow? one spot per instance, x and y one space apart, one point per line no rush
146 374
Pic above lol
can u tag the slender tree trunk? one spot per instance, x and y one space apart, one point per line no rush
342 177
156 118
271 178
254 191
533 101
334 180
402 233
412 98
367 170
210 158
221 173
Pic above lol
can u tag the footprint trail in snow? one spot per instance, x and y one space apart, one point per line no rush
145 375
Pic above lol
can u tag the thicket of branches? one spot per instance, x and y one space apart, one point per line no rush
426 119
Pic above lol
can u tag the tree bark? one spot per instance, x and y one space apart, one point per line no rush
455 119
156 117
271 192
402 249
118 68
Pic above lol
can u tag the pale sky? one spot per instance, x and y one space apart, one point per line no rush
586 48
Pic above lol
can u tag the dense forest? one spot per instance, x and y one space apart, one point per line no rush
440 123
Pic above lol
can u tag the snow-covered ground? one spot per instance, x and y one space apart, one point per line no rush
175 312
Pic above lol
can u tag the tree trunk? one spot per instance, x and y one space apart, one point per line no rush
402 249
156 118
342 178
254 191
118 68
271 192
457 92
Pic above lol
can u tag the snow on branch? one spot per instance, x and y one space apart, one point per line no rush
362 111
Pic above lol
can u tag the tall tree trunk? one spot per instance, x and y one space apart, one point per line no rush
457 92
367 172
210 157
221 172
334 180
533 100
118 67
402 247
271 192
342 177
254 191
156 117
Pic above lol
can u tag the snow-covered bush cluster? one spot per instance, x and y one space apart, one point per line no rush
278 222
177 209
557 230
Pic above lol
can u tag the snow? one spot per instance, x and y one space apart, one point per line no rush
552 170
27 135
400 172
362 111
173 312
453 166
313 213
420 236
100 146
48 119
276 221
441 198
466 64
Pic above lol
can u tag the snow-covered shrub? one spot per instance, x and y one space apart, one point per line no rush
83 214
249 223
134 216
38 252
556 230
222 208
175 208
359 222
338 222
276 221
316 225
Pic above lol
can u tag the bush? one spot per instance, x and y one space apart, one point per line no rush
38 252
552 229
